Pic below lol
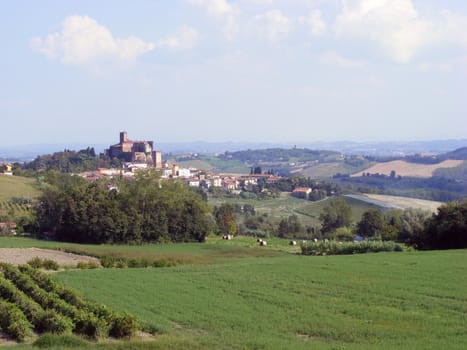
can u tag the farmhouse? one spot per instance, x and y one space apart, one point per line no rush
302 192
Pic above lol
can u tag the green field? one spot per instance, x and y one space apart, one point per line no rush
215 164
243 297
16 186
407 300
286 205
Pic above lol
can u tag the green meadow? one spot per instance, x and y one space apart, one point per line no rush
240 296
286 205
16 186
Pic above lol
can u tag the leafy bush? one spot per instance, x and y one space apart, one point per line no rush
13 321
164 263
52 322
124 326
30 308
35 262
47 264
90 325
87 265
53 308
50 265
341 248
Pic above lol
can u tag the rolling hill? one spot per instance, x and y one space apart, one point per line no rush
404 168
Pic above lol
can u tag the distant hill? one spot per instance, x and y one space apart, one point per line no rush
281 155
460 154
404 168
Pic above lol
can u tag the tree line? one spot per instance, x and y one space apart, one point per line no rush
446 229
144 209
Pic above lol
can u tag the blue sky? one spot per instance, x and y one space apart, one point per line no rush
233 70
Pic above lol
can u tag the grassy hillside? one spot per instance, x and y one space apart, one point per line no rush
286 205
404 168
16 186
386 300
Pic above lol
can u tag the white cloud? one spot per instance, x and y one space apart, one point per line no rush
335 59
273 25
215 7
82 40
315 22
185 38
223 11
397 27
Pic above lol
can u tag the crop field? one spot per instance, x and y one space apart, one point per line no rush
273 298
404 168
327 170
402 202
16 186
384 300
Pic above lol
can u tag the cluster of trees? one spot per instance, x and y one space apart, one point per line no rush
145 209
244 219
66 161
445 230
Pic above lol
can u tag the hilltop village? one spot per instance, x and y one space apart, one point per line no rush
138 155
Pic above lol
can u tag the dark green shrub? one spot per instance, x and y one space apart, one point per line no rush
91 326
35 262
50 265
124 326
48 283
14 322
164 263
107 261
52 322
87 265
341 248
30 308
47 264
121 264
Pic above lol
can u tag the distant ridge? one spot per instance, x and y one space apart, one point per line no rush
458 154
27 152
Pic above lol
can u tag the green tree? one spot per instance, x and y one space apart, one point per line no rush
141 210
371 223
337 214
447 229
413 225
225 218
290 227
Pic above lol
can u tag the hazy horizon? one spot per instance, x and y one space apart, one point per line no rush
266 71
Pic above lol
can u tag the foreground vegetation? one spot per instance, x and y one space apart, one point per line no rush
384 300
143 209
31 300
271 299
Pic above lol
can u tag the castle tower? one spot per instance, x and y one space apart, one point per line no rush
157 159
123 137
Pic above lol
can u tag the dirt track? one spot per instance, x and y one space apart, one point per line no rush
18 256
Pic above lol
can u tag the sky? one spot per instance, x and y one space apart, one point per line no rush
232 70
